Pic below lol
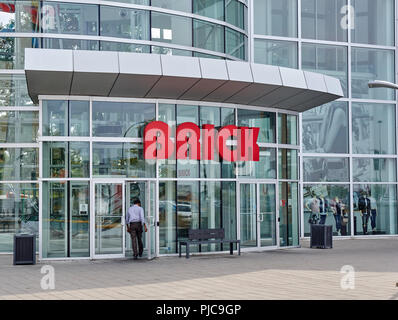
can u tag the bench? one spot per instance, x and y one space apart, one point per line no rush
206 236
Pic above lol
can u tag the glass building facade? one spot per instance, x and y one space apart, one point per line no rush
334 164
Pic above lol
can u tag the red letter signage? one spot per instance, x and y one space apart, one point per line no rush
232 143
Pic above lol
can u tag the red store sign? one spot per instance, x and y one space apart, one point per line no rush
201 143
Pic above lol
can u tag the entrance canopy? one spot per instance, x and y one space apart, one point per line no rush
140 75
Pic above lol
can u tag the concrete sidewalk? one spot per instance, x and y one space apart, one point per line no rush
283 274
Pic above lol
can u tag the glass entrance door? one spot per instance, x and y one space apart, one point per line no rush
145 191
258 223
109 235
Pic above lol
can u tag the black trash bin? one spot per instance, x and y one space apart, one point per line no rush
321 236
24 249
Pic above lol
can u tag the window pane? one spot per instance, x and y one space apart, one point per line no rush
19 207
375 209
171 51
368 65
66 159
208 36
288 164
55 115
373 128
287 126
167 114
187 168
209 8
263 169
124 23
108 159
25 12
142 2
18 126
374 170
275 17
167 217
260 119
374 22
325 128
137 167
79 118
235 13
121 119
326 169
123 47
12 51
277 53
228 203
173 5
327 204
68 18
171 29
70 44
235 44
19 164
289 214
187 209
13 91
321 20
326 59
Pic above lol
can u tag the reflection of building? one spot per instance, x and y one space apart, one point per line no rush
91 136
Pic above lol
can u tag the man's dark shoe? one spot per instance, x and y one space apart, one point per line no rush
140 255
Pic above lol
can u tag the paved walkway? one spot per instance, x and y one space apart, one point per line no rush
283 274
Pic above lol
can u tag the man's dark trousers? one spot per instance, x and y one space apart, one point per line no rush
136 236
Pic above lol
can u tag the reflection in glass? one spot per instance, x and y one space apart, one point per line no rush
108 218
327 204
288 164
108 159
70 44
187 209
124 23
123 47
137 167
178 5
321 20
287 129
167 217
14 91
228 205
374 170
263 169
210 210
373 128
235 44
208 36
20 16
167 113
375 209
326 59
275 17
368 65
19 126
374 22
325 128
267 215
79 118
326 169
19 164
12 51
276 53
121 119
288 214
19 212
69 18
248 215
171 29
261 119
235 13
171 51
209 8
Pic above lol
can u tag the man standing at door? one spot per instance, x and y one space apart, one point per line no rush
135 222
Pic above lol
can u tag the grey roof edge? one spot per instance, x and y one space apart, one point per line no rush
53 61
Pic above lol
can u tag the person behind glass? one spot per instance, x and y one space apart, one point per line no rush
323 205
337 210
313 206
134 222
365 206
